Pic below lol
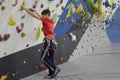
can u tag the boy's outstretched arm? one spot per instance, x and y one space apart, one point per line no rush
32 13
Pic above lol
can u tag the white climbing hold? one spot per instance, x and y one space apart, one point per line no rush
24 62
73 37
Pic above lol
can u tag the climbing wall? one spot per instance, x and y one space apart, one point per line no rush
80 28
96 35
18 30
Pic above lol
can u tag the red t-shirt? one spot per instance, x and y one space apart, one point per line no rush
48 26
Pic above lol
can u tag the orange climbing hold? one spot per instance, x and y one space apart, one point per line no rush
42 66
16 2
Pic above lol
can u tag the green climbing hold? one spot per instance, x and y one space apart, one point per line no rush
3 8
23 34
88 15
38 33
54 17
89 3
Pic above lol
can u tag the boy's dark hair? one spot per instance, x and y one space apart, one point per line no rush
46 11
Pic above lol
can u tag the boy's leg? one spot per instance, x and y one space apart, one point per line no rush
49 69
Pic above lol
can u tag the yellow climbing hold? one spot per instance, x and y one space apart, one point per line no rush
110 2
38 33
4 77
96 5
71 6
79 9
11 21
103 14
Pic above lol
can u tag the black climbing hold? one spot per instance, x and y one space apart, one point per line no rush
61 1
42 6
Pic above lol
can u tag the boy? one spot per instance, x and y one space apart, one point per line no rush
47 55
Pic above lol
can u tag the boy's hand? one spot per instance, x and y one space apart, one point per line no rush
32 9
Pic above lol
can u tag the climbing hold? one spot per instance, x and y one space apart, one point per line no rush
5 53
73 37
11 21
38 50
63 22
57 5
83 23
38 33
113 6
23 3
23 16
1 38
16 2
53 10
79 9
72 20
73 10
23 34
24 62
27 45
89 3
54 17
61 1
35 4
62 7
106 3
3 7
103 14
42 6
61 59
1 1
71 6
19 29
110 2
88 15
42 66
3 77
6 37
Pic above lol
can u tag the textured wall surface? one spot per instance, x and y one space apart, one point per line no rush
80 28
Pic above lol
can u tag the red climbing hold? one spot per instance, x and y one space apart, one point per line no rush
19 29
62 7
1 38
6 36
61 59
63 21
42 66
16 2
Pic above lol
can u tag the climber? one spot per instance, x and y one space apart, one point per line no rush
47 55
